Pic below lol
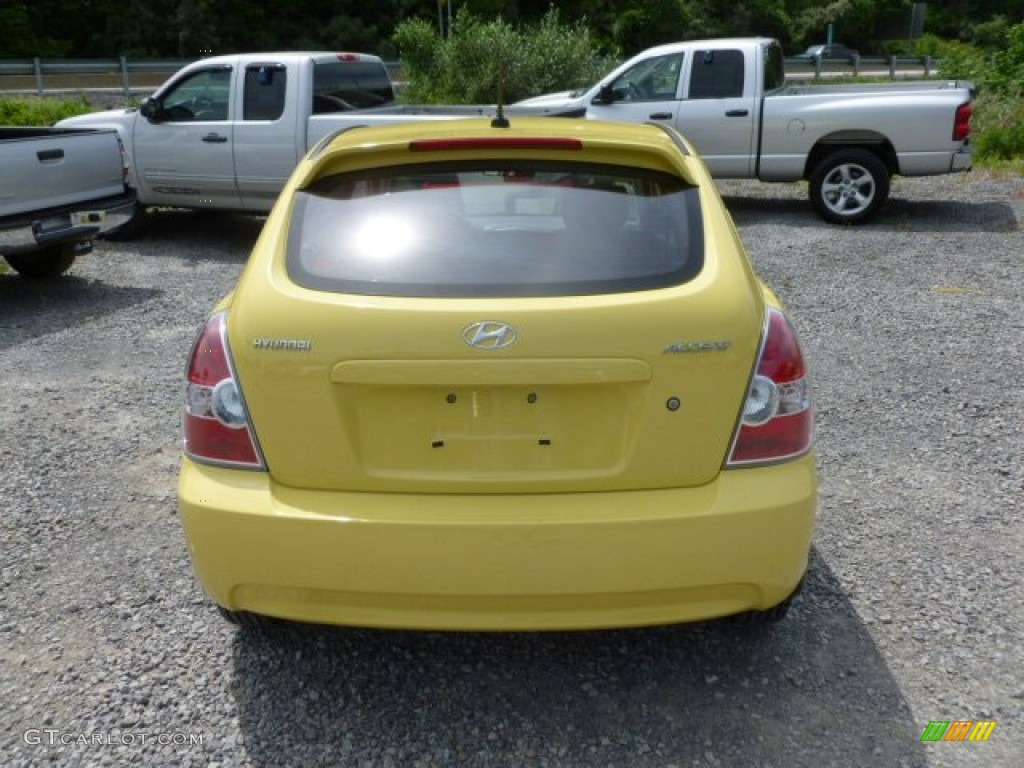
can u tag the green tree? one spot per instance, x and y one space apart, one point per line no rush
17 38
649 23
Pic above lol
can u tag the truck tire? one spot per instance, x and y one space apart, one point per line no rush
132 228
849 186
49 262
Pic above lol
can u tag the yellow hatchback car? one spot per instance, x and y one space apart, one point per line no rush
479 376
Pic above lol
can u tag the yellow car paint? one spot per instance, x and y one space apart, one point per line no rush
573 481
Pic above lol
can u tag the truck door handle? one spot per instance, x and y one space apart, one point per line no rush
737 113
660 116
215 138
49 155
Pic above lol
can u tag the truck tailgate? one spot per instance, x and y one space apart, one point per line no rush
52 167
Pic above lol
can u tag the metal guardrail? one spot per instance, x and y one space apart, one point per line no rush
111 72
136 75
892 67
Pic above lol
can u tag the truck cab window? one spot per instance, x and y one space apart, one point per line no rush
717 74
200 97
264 92
651 80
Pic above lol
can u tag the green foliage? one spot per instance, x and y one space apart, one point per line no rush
650 23
998 126
40 111
482 58
998 120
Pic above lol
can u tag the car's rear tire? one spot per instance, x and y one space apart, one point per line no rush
245 619
849 186
40 265
771 615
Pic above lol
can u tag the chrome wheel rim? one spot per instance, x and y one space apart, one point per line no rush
848 189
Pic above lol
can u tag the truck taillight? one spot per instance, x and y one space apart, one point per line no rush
777 422
124 162
216 424
962 122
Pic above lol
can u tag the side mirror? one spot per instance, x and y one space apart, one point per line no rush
606 95
150 109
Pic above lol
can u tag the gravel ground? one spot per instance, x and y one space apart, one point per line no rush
110 655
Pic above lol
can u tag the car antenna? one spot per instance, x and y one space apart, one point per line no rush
500 121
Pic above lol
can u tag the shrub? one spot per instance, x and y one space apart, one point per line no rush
468 66
998 121
36 111
998 126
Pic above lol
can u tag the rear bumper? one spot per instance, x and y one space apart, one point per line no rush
962 160
512 562
935 163
67 224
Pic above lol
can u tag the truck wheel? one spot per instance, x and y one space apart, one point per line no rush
849 186
49 262
131 228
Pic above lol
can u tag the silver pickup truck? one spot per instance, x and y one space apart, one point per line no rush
227 131
729 97
59 189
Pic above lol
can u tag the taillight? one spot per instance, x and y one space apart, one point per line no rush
217 428
777 421
962 122
124 162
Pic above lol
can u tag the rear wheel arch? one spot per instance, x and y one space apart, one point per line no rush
870 141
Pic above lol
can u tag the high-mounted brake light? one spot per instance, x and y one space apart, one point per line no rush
348 56
496 143
217 428
962 122
777 421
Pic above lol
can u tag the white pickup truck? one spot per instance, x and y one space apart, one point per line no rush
59 188
226 132
729 97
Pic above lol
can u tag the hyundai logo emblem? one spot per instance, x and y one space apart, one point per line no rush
489 335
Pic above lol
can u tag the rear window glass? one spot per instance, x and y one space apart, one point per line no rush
495 229
344 85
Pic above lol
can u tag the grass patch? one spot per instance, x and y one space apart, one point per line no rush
30 111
